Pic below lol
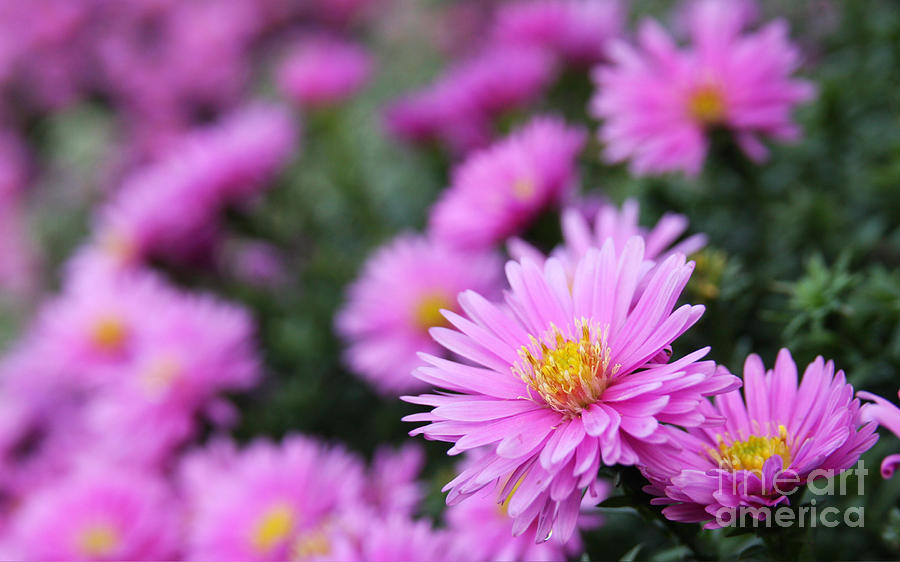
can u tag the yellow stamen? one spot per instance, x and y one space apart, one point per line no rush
523 189
572 374
427 313
273 528
98 540
752 453
109 333
706 105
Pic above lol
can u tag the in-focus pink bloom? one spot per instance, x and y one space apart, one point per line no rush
564 378
619 225
887 415
577 31
481 529
324 70
658 102
99 513
397 298
171 207
773 438
268 501
498 192
458 108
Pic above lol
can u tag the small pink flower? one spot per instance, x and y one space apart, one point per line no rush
577 31
773 438
269 501
399 295
658 102
324 71
497 192
458 108
99 513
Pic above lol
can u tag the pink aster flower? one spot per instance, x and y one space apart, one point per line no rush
658 102
619 225
565 378
775 437
98 513
324 70
578 31
268 501
458 107
886 415
499 191
397 298
171 207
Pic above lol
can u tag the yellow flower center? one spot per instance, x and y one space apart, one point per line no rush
161 375
273 528
98 540
706 105
570 375
523 189
752 453
314 544
109 333
427 313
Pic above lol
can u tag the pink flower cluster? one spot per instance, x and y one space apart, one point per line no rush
529 42
658 102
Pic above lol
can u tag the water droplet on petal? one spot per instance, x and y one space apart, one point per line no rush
547 538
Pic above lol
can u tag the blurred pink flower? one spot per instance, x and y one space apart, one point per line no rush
774 436
658 102
886 415
99 513
565 378
497 192
616 224
577 31
268 501
171 208
457 108
323 70
398 296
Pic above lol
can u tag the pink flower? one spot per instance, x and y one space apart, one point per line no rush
323 71
499 191
565 378
659 102
886 415
397 298
458 107
577 31
99 513
171 207
773 438
268 501
618 225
